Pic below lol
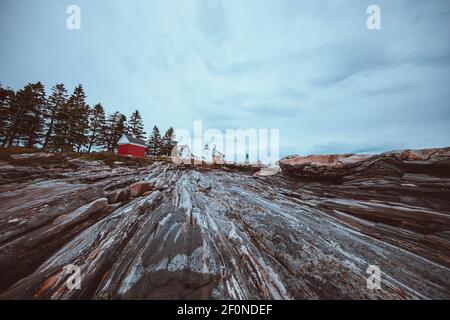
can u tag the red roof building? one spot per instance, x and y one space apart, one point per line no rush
129 146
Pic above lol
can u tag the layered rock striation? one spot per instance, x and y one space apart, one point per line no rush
164 231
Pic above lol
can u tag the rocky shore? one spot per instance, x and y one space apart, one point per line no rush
161 231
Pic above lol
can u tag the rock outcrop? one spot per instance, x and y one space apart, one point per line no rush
392 164
267 172
165 231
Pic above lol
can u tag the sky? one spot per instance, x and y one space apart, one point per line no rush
311 69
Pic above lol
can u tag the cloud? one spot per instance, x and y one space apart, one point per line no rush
309 68
336 147
393 89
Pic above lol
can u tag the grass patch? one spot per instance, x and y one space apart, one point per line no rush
109 158
5 153
59 158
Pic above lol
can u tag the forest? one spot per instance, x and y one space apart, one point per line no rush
60 122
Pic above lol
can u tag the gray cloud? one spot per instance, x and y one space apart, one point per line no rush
336 147
393 89
310 68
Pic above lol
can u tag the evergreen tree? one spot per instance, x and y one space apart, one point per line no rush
168 142
96 125
34 120
25 116
113 130
6 100
61 128
79 121
154 143
135 126
119 130
56 102
71 123
108 129
65 123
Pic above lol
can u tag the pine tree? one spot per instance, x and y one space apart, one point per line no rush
135 126
119 130
96 125
168 142
154 143
79 119
61 129
71 123
113 130
56 102
25 116
6 100
65 123
34 120
108 129
12 122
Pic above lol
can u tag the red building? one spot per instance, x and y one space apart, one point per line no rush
129 146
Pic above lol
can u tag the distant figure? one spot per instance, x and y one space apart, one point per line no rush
246 157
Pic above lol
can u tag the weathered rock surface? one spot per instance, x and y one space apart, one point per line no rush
31 156
395 164
195 233
139 188
267 172
119 195
79 163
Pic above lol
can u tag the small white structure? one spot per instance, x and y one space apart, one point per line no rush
184 155
206 154
217 156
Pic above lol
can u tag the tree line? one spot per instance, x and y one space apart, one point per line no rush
66 123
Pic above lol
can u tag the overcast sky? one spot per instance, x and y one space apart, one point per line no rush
310 68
